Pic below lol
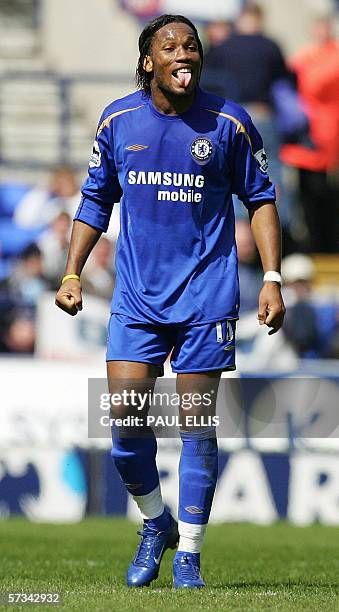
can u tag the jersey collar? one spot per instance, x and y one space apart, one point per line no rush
178 117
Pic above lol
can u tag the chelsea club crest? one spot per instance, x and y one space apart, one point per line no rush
201 150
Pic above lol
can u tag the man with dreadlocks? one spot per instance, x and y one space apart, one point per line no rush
173 154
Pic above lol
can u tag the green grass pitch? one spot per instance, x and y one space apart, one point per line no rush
245 567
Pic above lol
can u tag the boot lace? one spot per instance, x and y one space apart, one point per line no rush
188 570
146 547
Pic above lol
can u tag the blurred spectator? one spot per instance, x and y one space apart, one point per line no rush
244 68
98 276
18 336
252 60
250 273
311 322
215 77
217 32
317 71
19 297
300 325
42 205
54 248
27 282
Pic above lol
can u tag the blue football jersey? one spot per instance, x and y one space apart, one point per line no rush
176 258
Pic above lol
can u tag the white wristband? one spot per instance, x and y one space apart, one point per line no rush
273 276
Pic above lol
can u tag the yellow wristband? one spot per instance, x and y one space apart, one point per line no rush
69 276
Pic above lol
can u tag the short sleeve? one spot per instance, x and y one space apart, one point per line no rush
101 187
249 166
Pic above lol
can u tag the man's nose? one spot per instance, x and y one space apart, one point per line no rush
182 54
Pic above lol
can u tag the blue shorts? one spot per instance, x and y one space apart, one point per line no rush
193 348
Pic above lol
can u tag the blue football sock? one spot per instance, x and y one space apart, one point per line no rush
134 458
198 471
160 523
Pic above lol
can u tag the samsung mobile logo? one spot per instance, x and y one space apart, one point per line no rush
176 179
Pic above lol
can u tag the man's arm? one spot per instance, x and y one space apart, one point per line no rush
83 239
99 192
267 234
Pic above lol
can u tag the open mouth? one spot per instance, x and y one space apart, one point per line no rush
183 76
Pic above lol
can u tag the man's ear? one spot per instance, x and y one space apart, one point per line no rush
148 64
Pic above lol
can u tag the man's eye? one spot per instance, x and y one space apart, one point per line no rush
168 49
193 48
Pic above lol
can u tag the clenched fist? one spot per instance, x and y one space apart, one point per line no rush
271 310
69 297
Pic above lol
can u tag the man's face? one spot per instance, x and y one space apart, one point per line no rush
174 60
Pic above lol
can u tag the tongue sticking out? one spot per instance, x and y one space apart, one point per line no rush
184 78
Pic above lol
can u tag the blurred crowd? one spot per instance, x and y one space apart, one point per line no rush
35 230
294 104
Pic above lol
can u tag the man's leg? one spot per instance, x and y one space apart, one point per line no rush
198 472
134 453
134 448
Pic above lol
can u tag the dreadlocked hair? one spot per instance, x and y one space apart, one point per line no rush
143 78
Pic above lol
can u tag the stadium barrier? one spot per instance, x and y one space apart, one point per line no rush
52 471
49 118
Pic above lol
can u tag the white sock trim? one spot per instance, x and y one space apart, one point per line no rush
151 505
191 536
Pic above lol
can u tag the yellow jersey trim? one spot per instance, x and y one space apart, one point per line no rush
240 126
108 119
137 147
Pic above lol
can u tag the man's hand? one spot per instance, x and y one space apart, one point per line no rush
69 297
271 307
83 239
